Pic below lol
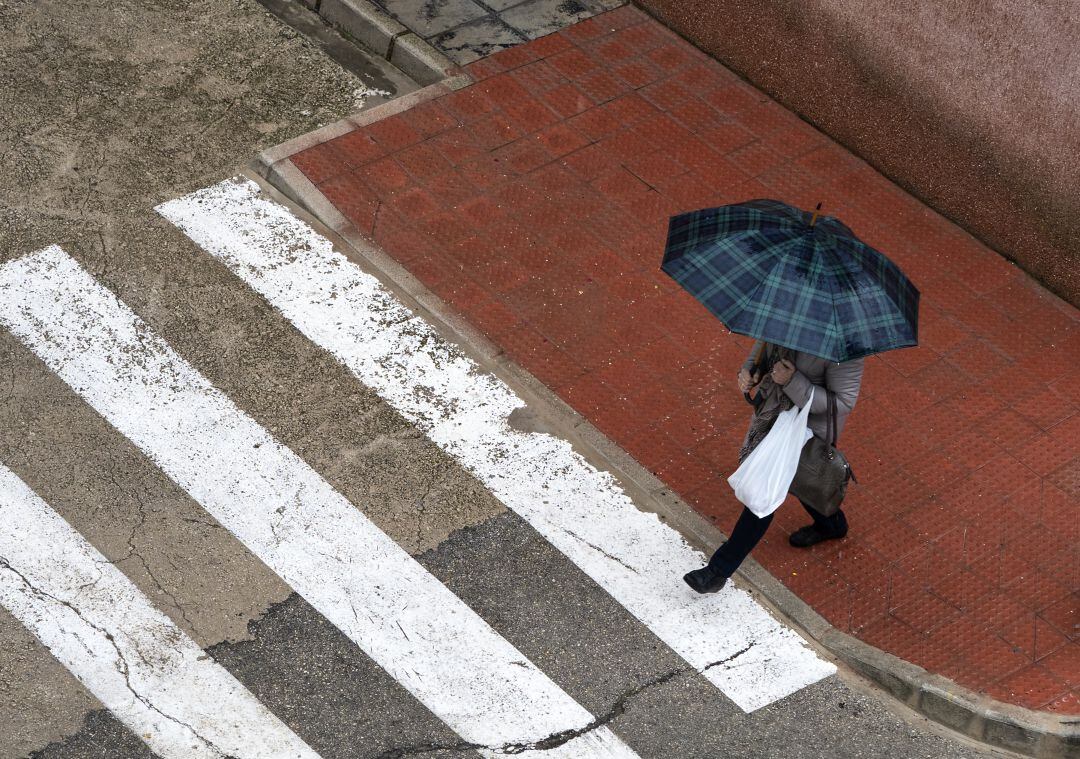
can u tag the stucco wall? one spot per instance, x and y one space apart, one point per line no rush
972 105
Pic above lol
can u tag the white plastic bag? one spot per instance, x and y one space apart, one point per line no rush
761 482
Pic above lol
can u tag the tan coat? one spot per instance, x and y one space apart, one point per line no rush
810 371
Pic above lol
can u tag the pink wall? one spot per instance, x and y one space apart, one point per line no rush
972 105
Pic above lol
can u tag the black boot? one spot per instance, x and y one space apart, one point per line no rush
704 580
813 534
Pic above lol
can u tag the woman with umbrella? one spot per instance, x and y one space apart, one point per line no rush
818 300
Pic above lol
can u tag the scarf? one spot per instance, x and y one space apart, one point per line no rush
776 401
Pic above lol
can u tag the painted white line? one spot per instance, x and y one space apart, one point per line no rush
639 560
141 666
287 515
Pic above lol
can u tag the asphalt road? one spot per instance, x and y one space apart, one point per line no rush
106 111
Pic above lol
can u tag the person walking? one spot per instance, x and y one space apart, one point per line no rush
786 378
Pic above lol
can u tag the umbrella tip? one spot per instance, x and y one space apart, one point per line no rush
817 210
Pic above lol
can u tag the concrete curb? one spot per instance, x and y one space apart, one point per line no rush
272 156
1028 732
372 27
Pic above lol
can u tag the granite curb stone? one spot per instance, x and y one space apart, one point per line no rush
373 27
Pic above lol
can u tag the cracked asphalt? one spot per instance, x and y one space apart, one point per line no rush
107 109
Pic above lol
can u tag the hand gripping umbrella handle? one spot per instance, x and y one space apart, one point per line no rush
758 399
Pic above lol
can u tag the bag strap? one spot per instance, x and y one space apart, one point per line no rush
831 396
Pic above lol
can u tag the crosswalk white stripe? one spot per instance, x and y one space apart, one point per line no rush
287 515
141 666
752 658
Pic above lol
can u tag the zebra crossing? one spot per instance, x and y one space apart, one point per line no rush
425 637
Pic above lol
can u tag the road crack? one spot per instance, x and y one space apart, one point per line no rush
555 740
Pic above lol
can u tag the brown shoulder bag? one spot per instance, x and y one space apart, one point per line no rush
822 477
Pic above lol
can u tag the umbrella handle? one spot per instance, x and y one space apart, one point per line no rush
756 401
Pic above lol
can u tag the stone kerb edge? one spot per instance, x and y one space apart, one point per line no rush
368 24
940 700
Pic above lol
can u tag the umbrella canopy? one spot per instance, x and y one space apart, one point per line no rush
766 271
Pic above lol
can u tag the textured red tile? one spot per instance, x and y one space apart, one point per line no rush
947 294
769 118
1047 408
458 146
1031 687
990 275
965 590
891 634
392 133
939 331
612 50
468 104
495 319
561 139
585 31
524 155
493 131
503 88
1009 429
685 472
486 172
423 161
385 177
652 446
549 45
814 582
354 199
320 163
671 57
624 17
529 115
567 101
1067 704
515 56
539 77
1064 615
869 601
1067 478
923 610
1037 590
1048 641
485 67
414 202
696 115
637 72
991 657
630 110
971 449
1003 475
1064 662
888 535
573 63
1059 512
430 119
451 189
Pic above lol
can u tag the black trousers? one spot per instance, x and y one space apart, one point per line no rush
751 528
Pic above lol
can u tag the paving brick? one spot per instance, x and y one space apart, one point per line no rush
1032 687
393 133
354 199
637 72
321 162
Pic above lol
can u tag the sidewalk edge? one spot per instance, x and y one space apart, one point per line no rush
1014 728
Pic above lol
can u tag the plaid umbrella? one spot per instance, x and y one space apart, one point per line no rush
766 270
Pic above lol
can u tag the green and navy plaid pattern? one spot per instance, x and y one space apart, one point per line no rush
763 271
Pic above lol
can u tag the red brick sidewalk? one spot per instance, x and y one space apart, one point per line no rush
536 203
